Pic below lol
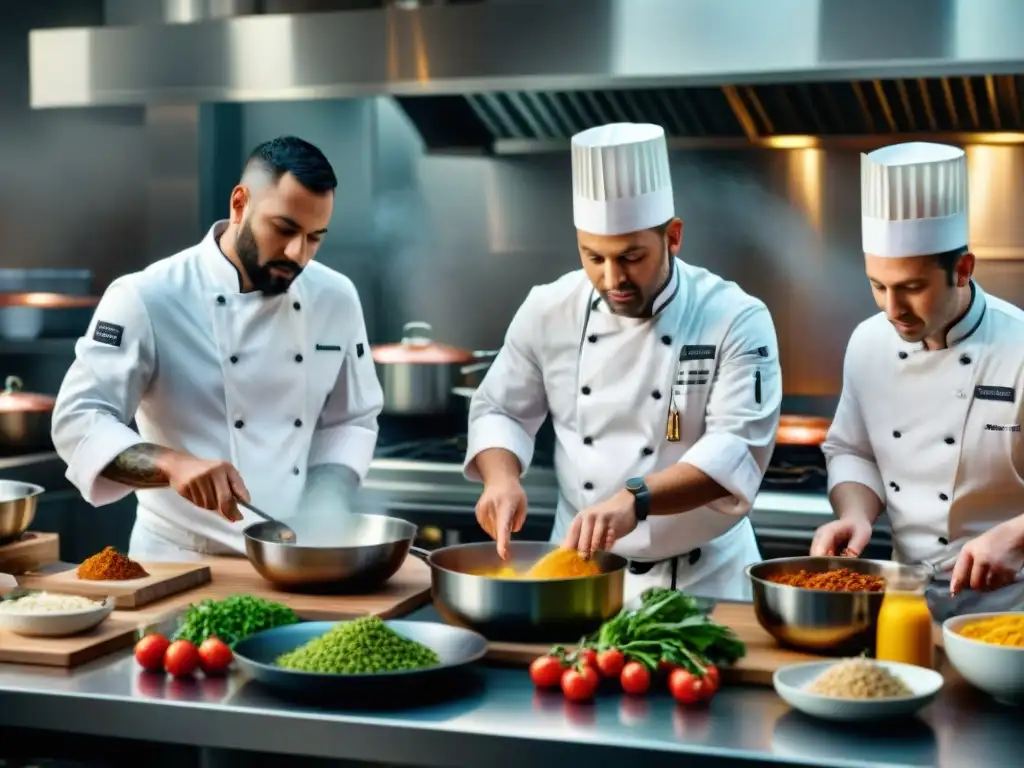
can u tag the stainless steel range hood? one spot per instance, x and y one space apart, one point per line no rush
497 73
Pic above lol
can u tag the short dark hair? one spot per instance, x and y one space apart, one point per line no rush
947 260
290 154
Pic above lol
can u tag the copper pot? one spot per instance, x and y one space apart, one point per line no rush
802 430
25 419
418 373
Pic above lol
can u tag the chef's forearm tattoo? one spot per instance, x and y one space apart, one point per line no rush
137 467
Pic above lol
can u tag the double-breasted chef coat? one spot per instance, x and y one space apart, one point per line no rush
273 384
609 382
936 434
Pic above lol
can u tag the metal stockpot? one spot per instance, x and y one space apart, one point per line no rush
521 610
25 419
419 374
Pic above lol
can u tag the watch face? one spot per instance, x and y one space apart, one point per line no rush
634 484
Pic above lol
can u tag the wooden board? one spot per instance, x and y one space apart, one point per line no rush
33 550
114 634
406 591
164 579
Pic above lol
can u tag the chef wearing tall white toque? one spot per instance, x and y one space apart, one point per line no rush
244 364
928 428
662 381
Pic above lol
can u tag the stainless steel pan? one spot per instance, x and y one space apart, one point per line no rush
367 552
17 508
521 610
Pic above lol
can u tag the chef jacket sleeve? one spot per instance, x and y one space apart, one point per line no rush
849 456
114 364
510 404
346 431
742 413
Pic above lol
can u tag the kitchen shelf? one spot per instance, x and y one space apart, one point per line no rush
37 346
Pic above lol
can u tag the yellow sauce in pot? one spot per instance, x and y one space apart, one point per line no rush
559 564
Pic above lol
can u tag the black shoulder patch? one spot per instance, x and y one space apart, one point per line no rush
1002 394
108 333
359 350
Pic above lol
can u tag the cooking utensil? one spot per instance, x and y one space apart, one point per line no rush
418 374
25 419
364 556
996 669
45 315
256 654
816 620
279 530
17 508
521 610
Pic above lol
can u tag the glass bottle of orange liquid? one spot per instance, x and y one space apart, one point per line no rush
904 623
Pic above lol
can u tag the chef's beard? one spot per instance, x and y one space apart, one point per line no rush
260 275
639 305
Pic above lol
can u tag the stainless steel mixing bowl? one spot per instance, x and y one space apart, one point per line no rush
369 552
17 508
818 621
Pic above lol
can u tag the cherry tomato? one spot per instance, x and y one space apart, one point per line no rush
214 656
579 684
546 671
611 662
712 680
150 650
588 657
591 673
667 666
635 678
686 688
181 658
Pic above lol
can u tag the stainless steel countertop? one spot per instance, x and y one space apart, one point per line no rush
500 722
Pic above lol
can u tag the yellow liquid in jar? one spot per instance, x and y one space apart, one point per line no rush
905 630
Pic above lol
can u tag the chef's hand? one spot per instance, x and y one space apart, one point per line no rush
599 527
501 511
208 484
846 537
992 560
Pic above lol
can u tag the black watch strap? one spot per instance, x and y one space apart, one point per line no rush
641 495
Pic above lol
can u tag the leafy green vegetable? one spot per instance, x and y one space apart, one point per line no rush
232 619
362 646
668 626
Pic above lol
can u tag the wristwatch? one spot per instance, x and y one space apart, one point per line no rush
642 496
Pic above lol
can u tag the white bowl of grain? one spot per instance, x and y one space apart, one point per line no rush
49 614
855 690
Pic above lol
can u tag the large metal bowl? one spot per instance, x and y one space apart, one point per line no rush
17 508
369 553
521 610
817 621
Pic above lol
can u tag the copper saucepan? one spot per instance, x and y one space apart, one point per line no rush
25 419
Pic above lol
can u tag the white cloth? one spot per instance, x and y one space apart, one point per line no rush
621 179
914 200
936 434
274 385
608 383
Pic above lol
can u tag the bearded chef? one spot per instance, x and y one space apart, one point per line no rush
928 428
244 364
662 381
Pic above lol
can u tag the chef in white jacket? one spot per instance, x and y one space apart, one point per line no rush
662 381
245 380
928 428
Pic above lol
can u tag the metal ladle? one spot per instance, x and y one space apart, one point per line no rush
281 532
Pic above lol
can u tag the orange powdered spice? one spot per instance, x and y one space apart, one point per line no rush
110 565
838 580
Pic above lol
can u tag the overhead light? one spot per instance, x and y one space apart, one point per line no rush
999 137
791 142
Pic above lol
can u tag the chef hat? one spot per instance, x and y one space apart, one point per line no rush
620 179
913 200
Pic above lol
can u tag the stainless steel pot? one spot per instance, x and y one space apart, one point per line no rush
370 551
815 620
24 419
418 374
17 508
521 610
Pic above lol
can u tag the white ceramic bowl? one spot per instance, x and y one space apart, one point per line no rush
56 623
995 669
791 684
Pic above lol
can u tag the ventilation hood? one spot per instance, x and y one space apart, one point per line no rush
512 75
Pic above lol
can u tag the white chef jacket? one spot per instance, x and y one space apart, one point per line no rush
609 381
936 434
274 385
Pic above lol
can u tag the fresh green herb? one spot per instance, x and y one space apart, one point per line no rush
232 619
668 626
362 646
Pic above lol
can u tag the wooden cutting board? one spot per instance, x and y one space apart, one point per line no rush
164 579
406 591
764 656
114 634
33 550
